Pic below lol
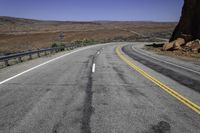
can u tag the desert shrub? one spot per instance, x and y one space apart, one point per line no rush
57 44
54 45
62 45
85 42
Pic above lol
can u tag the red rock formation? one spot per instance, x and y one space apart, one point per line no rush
189 25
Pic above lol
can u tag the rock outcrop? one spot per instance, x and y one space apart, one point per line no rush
187 30
189 24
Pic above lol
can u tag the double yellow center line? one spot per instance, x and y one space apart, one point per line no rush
175 94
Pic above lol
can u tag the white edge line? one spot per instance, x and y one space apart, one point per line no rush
93 68
169 63
31 69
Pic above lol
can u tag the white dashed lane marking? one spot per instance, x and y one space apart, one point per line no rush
93 68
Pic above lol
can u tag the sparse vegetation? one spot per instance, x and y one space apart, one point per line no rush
58 44
86 41
18 35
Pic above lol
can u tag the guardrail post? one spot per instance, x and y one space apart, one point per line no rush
51 51
38 54
6 62
20 59
30 56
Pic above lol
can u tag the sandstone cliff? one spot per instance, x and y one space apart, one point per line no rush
187 33
189 25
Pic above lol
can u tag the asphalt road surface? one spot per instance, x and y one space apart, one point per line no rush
93 90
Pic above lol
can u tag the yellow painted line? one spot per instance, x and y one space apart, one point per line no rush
169 90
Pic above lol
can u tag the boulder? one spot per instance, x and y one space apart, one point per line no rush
168 46
178 43
193 43
194 46
174 45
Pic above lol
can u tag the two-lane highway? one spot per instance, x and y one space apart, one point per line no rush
91 90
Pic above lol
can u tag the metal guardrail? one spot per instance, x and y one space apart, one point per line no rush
19 56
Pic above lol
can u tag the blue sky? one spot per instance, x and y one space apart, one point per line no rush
87 10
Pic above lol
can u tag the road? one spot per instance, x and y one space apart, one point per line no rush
93 90
182 74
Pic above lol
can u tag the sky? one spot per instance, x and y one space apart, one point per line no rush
90 10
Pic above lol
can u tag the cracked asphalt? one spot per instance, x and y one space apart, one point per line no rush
65 96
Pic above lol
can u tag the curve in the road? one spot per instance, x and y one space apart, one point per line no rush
186 78
157 59
169 90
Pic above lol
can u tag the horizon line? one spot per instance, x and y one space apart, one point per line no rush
103 20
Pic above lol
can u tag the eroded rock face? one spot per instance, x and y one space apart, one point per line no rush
187 30
189 24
